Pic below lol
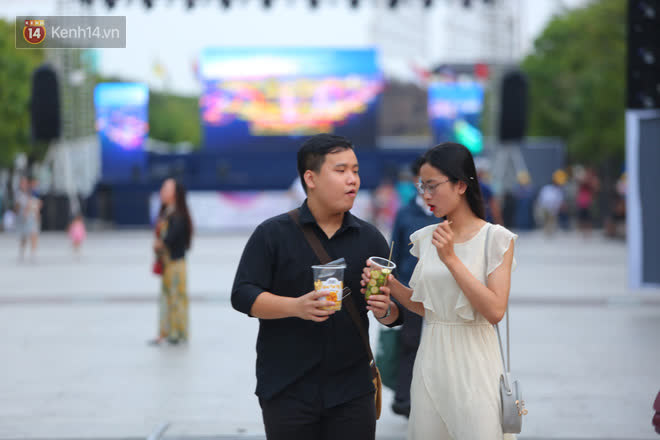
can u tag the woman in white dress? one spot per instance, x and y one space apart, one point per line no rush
461 289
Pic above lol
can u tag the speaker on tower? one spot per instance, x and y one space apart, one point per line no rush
513 107
45 104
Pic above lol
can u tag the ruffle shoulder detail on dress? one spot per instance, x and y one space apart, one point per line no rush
420 238
421 242
500 241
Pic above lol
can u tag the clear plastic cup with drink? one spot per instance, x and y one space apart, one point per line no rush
381 268
329 279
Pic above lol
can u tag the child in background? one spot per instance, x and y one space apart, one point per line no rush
77 232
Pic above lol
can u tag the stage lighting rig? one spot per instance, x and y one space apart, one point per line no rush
313 4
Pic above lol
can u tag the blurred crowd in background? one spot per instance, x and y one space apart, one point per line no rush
574 201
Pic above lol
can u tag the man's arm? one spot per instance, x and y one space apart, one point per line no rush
250 293
254 273
271 306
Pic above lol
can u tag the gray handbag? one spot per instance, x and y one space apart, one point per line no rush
513 405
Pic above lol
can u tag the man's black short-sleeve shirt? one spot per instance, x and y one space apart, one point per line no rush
278 259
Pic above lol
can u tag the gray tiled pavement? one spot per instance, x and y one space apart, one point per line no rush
75 363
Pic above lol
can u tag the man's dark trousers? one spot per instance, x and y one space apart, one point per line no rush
298 413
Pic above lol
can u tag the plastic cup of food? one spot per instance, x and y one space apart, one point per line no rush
329 279
381 268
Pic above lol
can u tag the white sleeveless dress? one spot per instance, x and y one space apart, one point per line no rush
455 385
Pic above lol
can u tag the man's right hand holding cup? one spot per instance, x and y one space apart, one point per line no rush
309 307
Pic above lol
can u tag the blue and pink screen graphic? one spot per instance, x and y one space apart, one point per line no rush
122 125
455 110
268 98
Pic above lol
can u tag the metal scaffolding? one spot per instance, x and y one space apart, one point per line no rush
73 159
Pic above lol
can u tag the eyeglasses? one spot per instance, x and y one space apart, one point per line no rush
423 187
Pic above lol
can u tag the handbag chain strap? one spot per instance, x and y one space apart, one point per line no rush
324 258
506 366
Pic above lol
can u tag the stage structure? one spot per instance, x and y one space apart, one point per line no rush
642 198
643 143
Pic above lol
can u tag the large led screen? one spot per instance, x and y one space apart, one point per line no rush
455 113
122 125
269 98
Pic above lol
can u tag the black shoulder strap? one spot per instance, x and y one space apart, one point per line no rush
323 256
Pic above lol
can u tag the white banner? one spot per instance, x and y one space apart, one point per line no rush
244 210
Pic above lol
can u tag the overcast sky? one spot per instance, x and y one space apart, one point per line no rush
172 36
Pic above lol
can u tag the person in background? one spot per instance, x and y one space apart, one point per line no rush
175 230
8 220
77 232
413 216
656 417
385 204
28 217
406 186
524 195
550 202
568 212
615 223
493 209
587 188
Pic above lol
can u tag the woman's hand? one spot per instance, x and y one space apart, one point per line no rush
379 304
158 245
443 240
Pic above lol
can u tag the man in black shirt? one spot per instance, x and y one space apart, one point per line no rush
313 375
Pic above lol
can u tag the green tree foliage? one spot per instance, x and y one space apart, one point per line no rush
174 119
577 81
16 67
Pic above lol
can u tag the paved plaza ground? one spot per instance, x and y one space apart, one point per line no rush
75 362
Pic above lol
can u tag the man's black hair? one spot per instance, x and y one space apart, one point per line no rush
312 153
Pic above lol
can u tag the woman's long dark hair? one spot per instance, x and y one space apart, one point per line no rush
181 208
456 162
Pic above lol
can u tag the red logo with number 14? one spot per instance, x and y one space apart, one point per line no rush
34 31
